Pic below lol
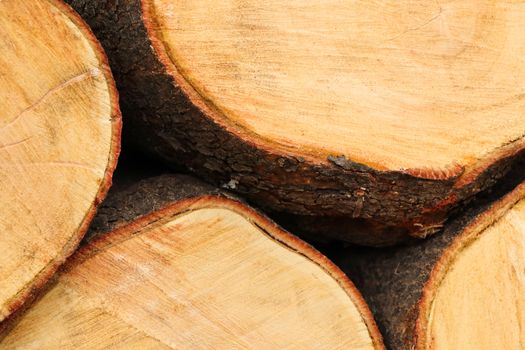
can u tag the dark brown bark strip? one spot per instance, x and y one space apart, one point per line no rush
144 197
392 279
161 120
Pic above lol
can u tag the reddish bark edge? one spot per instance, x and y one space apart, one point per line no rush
29 293
468 236
165 121
461 174
275 232
431 218
393 280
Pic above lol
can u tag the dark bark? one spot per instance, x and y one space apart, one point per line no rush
329 229
125 205
136 192
160 120
392 279
139 200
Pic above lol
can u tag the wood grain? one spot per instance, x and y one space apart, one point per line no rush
484 287
390 113
392 85
204 273
59 140
461 289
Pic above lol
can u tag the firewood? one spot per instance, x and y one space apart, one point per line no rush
59 141
202 272
463 289
390 111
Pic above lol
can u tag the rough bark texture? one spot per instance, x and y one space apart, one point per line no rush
124 205
392 279
135 193
161 120
129 208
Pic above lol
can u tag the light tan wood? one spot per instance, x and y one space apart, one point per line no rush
206 276
59 133
480 303
396 85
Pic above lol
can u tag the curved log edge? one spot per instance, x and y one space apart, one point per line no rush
193 196
176 124
400 284
28 294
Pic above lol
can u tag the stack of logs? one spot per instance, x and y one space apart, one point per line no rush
390 135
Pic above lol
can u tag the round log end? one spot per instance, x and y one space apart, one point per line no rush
59 141
203 273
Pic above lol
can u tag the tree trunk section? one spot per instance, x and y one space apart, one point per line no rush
462 289
204 86
59 141
198 271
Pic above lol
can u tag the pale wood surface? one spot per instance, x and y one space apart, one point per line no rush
57 139
392 84
480 303
209 277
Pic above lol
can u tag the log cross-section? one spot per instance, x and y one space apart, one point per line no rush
59 141
391 111
463 289
202 273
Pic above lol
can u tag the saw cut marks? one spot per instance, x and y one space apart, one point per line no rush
461 289
393 85
59 137
484 287
203 274
382 116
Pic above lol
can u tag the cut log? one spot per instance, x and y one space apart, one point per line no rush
202 273
463 289
390 111
59 141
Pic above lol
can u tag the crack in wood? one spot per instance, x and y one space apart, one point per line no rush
413 29
92 72
55 163
13 144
